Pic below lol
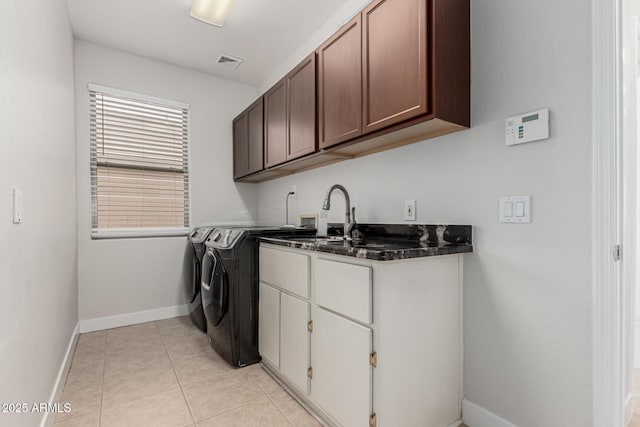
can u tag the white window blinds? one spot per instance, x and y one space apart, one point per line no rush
139 164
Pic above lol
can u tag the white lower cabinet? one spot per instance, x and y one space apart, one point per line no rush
341 370
364 342
269 324
294 340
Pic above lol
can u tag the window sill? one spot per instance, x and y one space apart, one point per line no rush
133 233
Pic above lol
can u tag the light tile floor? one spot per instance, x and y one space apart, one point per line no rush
165 373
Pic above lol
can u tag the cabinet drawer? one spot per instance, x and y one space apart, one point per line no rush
286 270
344 288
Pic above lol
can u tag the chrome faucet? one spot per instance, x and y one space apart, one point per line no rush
350 214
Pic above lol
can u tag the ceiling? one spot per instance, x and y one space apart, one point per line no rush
264 33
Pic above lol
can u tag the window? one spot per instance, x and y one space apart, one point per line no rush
139 165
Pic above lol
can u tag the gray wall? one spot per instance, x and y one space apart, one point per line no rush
38 267
527 327
123 276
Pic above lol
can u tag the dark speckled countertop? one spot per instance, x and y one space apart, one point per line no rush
386 242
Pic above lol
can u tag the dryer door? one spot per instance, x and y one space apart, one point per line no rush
215 288
190 273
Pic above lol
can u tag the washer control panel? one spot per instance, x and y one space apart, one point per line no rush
224 237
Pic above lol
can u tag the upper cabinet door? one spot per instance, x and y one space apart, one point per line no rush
395 62
301 88
275 124
340 85
240 146
256 137
248 141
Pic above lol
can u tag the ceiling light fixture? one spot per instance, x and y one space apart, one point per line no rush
214 12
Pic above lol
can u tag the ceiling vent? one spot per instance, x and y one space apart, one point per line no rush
229 61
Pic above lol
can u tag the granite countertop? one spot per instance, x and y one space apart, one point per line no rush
386 242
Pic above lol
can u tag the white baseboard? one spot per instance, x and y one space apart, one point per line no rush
100 323
58 386
476 416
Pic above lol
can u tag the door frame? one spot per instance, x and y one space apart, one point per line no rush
608 296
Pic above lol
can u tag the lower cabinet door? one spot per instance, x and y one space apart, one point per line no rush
294 340
341 371
269 324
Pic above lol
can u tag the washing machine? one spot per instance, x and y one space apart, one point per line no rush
191 271
230 278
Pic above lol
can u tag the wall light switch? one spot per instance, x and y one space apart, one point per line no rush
17 206
515 209
410 210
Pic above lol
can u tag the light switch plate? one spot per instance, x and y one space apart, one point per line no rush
410 210
17 206
516 209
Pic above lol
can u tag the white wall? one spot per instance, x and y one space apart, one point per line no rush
38 282
528 344
130 275
630 10
348 10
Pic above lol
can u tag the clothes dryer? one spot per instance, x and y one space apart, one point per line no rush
191 271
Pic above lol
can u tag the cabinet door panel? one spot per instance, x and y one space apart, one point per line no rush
269 324
340 85
341 371
240 146
294 340
256 137
395 62
275 118
302 109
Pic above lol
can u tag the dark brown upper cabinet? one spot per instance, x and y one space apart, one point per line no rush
290 115
248 141
275 124
301 87
397 73
395 53
340 85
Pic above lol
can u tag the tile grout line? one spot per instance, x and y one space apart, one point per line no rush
173 368
226 411
274 402
208 378
283 389
64 390
138 397
104 368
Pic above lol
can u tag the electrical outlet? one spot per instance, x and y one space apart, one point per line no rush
410 210
293 189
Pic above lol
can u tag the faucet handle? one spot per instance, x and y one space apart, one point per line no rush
355 234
